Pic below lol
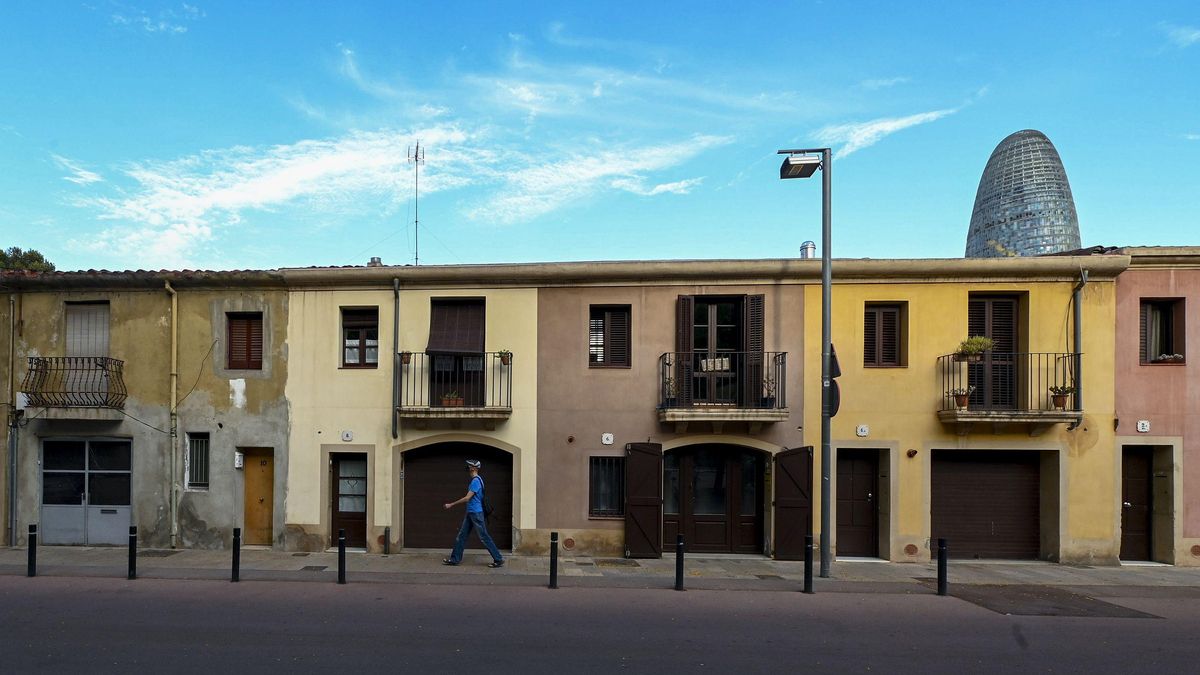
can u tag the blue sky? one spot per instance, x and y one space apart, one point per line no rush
141 134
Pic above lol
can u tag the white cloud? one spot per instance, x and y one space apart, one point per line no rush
859 135
168 21
1191 137
350 69
883 83
637 186
1182 36
79 175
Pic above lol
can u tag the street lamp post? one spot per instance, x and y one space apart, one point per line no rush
802 164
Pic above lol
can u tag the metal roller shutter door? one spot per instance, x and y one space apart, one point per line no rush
987 505
437 474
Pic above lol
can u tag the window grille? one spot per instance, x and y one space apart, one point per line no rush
197 461
607 492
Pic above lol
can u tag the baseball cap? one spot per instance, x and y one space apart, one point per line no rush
474 463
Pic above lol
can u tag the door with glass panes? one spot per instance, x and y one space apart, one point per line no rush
86 491
712 494
349 492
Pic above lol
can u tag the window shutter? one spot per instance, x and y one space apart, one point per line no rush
889 336
976 318
870 337
255 347
1003 328
245 348
1144 332
685 319
616 338
754 310
456 327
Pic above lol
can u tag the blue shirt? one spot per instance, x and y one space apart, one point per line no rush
475 503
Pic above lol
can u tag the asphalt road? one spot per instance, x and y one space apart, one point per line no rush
56 624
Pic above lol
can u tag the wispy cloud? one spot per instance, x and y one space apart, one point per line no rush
1181 36
1191 137
169 21
78 175
859 135
349 68
883 83
540 188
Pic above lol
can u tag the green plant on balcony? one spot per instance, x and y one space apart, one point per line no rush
505 356
1059 394
670 393
973 347
961 394
452 399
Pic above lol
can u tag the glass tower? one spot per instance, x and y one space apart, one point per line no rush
1023 205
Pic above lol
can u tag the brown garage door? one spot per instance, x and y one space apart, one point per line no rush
986 504
436 474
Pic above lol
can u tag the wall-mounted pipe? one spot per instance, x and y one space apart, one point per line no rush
174 486
1076 301
395 357
13 427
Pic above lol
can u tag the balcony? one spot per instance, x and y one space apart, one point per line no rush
75 387
722 387
1008 390
456 387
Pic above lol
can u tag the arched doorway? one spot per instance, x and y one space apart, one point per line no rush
436 474
713 495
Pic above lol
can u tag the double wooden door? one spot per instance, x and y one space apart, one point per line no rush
995 378
712 494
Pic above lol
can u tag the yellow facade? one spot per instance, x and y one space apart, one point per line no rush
898 405
326 401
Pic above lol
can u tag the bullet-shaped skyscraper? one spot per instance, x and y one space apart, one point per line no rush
1023 205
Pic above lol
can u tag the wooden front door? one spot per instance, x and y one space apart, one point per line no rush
348 489
793 502
259 496
1137 501
712 495
857 509
995 377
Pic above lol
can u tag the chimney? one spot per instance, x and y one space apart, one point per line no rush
376 261
808 250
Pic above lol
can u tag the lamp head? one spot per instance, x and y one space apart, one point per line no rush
799 166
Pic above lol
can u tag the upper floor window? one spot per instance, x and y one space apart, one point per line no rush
87 328
1162 331
360 337
245 340
883 334
608 336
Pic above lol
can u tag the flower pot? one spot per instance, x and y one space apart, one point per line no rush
1059 400
767 402
506 358
960 400
448 402
969 358
405 358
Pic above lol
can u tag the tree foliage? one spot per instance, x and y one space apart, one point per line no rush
14 258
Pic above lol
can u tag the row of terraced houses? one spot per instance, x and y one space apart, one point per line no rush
617 403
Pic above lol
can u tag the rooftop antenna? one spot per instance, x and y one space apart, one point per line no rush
416 156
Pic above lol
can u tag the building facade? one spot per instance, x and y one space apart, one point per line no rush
1023 206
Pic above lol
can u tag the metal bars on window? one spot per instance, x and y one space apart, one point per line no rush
606 498
197 461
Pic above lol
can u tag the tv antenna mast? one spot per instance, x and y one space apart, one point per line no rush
416 157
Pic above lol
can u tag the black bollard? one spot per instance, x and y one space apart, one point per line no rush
32 571
341 556
237 554
808 563
679 562
553 560
133 551
943 582
387 540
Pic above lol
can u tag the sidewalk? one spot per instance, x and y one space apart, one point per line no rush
701 572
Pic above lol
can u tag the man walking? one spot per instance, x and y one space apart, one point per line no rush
473 520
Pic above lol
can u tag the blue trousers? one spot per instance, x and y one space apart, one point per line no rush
474 521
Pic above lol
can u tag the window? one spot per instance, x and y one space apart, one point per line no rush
607 494
1162 330
360 338
608 337
245 336
883 335
197 461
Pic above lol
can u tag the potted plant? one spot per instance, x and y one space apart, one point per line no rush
505 356
1059 394
973 347
670 394
405 358
961 395
768 399
452 399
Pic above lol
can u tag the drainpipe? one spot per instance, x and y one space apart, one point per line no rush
1077 358
13 428
395 357
174 410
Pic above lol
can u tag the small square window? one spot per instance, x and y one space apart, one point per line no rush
607 487
609 336
1162 331
197 461
360 338
884 332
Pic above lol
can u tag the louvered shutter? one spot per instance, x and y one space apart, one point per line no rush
870 337
684 322
753 310
889 336
245 344
1144 332
616 337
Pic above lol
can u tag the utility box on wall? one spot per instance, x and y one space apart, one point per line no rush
239 460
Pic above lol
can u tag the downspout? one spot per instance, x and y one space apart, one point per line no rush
174 411
13 427
1077 357
395 357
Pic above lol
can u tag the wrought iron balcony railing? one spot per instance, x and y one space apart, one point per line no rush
745 380
1006 381
456 381
75 382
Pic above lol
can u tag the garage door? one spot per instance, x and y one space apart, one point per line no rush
986 505
436 474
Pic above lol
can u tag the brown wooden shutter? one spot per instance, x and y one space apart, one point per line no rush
753 320
793 502
245 343
1144 332
889 336
976 318
643 500
870 337
685 319
616 337
1003 324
